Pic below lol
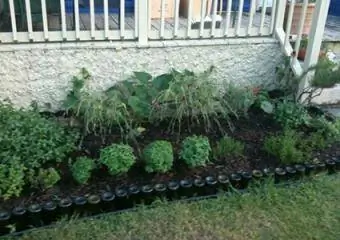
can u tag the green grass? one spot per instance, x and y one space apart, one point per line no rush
310 211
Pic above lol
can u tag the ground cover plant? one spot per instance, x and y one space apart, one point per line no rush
152 129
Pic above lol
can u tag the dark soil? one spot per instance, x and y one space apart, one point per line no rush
251 130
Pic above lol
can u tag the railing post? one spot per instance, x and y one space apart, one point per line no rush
315 41
280 15
143 22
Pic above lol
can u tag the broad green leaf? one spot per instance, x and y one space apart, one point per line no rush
267 107
143 77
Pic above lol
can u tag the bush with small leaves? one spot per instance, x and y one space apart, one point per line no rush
118 158
286 147
195 151
158 156
82 169
48 178
12 179
228 147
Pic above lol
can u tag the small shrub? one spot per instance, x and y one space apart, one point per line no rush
158 156
195 151
82 169
119 158
228 147
12 179
48 177
239 99
285 147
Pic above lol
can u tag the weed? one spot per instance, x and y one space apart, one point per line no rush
228 147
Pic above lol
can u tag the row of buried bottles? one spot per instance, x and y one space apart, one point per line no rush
37 215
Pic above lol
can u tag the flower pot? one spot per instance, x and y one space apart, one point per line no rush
268 173
173 187
320 167
34 214
160 190
291 173
303 51
310 169
107 199
257 176
19 218
298 8
147 194
331 166
337 163
4 222
65 207
49 212
93 204
79 205
134 192
300 171
246 178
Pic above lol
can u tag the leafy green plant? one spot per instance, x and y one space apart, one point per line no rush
158 156
12 179
32 139
286 147
118 158
329 131
264 102
239 99
291 114
195 151
48 178
82 168
192 97
99 112
327 74
228 147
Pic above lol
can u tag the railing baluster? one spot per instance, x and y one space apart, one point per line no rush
213 26
251 16
13 20
106 19
203 10
122 18
273 16
136 17
176 18
221 7
92 19
263 15
301 25
76 19
63 20
227 20
44 17
29 19
189 19
162 18
289 22
239 17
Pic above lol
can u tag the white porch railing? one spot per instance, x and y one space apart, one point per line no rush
150 20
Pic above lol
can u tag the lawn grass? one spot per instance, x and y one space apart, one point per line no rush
309 211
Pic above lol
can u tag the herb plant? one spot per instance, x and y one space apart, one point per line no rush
82 169
12 179
158 156
48 178
228 147
118 158
195 151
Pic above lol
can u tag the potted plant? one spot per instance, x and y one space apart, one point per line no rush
298 9
303 49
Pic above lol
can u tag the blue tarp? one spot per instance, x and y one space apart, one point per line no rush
334 8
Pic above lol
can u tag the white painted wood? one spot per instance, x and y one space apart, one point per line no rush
221 7
106 19
203 15
13 20
189 19
63 20
280 15
228 15
44 17
122 18
289 21
136 16
92 19
251 14
143 23
29 19
76 19
300 31
161 34
315 40
263 15
176 16
213 25
273 14
239 17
